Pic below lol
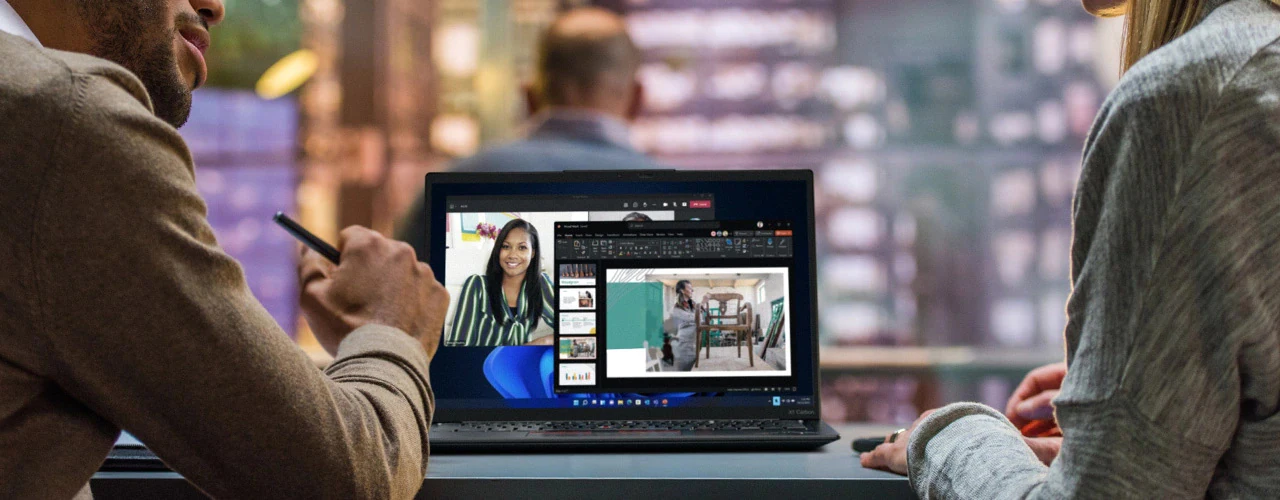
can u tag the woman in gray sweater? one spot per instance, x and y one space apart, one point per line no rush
1172 382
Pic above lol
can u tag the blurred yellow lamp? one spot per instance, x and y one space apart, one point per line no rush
287 74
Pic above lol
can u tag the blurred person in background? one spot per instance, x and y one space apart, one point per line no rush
1171 385
583 96
118 309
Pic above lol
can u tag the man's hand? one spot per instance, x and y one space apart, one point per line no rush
1032 400
380 282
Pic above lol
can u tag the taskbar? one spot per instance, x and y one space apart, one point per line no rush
649 389
627 400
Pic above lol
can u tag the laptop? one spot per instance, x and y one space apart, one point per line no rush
653 310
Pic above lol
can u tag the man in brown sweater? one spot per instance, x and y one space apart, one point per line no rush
118 310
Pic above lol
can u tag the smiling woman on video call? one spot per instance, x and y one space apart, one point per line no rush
503 305
1171 384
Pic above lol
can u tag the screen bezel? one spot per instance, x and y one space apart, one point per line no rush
444 179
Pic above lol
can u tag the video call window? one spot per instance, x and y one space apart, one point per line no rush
499 263
500 293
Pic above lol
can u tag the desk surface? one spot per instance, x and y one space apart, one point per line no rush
831 471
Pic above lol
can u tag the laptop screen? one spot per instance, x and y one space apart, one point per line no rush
624 295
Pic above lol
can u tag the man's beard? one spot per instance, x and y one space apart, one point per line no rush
136 35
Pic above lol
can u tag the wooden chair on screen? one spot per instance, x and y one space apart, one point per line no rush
733 315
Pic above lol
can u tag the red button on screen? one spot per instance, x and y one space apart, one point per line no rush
700 204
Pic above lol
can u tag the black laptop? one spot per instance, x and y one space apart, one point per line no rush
625 310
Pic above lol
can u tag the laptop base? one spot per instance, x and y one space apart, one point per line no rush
448 438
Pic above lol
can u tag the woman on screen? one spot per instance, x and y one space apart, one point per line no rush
503 305
683 319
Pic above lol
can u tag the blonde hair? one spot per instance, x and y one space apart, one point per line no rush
1152 23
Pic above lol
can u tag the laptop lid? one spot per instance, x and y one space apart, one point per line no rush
583 295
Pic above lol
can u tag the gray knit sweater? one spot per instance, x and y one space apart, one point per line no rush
1173 333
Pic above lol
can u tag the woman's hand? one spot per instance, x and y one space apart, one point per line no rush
1032 400
892 457
1045 448
889 456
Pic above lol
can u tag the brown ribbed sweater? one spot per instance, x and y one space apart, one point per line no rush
118 310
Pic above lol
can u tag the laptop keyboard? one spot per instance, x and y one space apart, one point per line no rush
626 425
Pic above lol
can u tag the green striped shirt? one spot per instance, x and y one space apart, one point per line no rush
476 324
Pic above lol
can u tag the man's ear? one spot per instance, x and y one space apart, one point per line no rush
531 102
637 101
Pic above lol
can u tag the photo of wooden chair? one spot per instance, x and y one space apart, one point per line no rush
733 316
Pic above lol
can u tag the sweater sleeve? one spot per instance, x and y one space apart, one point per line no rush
1171 335
153 328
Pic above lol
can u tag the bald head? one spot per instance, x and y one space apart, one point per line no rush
587 60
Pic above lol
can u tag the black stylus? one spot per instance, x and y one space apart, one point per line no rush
307 238
863 445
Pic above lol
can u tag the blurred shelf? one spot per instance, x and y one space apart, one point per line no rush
766 54
948 361
762 105
973 156
646 5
